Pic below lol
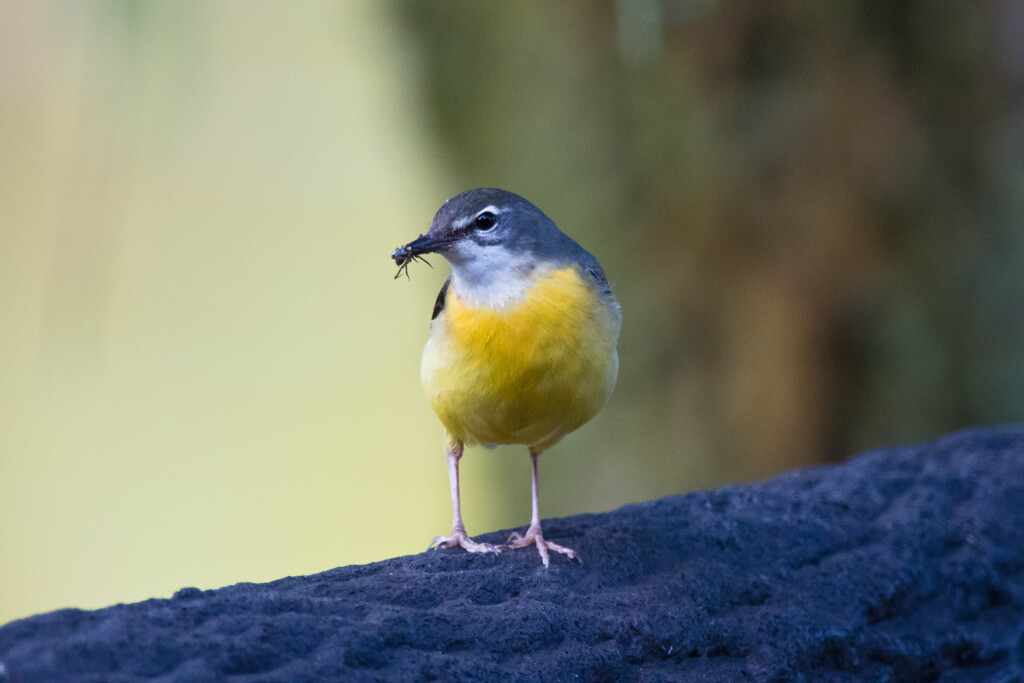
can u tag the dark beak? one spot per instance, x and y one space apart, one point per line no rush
424 244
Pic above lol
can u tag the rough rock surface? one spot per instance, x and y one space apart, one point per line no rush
905 564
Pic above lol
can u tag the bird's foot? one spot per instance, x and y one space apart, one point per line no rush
534 536
460 538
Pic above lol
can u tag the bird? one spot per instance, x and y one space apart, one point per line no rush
523 339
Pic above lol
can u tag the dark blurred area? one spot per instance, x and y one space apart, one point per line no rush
811 211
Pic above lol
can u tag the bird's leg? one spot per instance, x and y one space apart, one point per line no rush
459 536
533 534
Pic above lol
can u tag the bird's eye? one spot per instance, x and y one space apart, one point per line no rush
486 221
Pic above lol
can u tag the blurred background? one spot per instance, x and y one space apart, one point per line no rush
811 212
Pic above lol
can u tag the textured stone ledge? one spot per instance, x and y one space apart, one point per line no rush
903 564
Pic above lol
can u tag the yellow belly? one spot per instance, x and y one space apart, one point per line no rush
528 374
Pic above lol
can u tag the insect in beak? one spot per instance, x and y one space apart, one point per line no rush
424 244
403 257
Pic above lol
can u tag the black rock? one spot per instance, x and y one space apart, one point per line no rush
905 564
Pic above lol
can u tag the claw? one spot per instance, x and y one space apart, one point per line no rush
467 544
534 536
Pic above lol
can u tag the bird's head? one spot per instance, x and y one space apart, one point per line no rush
483 232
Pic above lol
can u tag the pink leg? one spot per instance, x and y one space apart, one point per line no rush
533 534
459 536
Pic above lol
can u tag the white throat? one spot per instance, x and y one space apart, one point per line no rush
492 276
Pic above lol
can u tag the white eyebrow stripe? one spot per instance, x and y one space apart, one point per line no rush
463 222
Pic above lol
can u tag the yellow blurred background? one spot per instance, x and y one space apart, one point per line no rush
812 216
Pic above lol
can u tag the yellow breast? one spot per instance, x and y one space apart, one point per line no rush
526 374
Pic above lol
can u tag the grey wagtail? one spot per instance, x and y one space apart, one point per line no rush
522 339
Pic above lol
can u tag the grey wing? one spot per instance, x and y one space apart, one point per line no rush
563 249
596 272
441 297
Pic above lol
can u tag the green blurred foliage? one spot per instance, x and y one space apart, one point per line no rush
812 211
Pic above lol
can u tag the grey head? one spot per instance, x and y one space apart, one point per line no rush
495 242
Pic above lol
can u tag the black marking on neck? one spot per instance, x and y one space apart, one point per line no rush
441 297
